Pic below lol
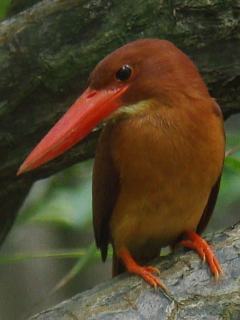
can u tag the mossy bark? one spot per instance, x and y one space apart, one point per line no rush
17 6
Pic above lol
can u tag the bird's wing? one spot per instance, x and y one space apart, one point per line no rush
105 191
207 213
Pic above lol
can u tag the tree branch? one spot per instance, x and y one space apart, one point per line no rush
197 296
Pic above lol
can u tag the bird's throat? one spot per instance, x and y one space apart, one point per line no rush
130 110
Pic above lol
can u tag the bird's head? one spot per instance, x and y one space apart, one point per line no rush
131 76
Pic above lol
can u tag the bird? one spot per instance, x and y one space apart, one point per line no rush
159 157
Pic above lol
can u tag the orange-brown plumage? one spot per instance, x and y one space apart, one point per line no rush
165 160
159 158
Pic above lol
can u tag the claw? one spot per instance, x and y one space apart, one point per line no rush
145 272
205 252
153 270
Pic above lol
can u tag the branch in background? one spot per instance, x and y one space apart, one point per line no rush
197 294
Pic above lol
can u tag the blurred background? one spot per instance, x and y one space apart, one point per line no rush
50 255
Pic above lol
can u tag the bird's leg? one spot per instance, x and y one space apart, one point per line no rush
197 243
145 272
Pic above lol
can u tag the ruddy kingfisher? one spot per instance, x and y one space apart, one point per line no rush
159 157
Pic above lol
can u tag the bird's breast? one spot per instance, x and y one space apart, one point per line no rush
167 169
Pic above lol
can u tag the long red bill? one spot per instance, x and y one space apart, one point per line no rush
88 110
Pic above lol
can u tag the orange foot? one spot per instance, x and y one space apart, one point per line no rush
198 244
145 272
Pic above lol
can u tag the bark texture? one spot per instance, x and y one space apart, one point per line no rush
196 295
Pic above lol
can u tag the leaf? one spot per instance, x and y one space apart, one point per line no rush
58 254
63 200
78 267
232 163
4 5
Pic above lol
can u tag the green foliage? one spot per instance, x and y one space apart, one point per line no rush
64 200
57 254
230 186
233 164
4 5
78 267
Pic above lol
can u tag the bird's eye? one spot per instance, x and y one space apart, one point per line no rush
124 73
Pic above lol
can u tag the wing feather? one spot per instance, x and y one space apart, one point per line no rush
207 213
105 191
